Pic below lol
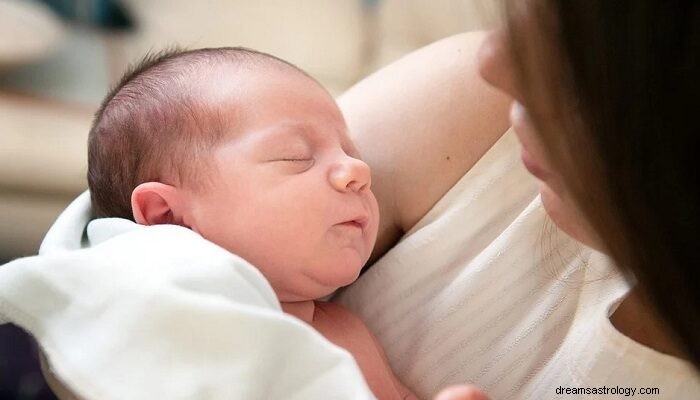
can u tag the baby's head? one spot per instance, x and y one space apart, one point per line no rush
248 151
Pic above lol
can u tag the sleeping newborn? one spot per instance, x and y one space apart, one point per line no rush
253 154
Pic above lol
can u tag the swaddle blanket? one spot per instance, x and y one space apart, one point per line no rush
125 311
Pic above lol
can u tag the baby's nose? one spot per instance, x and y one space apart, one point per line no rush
350 174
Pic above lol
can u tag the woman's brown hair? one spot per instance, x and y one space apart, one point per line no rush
617 84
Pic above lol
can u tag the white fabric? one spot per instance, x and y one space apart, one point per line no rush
485 290
134 312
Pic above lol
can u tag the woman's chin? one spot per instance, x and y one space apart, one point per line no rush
567 217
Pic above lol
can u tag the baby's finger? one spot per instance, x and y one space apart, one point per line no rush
461 392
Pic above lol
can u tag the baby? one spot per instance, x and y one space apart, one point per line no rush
254 155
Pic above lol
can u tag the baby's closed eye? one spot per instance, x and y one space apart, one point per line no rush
295 159
292 153
294 163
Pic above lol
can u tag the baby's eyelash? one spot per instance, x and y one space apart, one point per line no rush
298 164
295 159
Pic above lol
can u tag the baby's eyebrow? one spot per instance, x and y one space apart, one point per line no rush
274 135
308 134
291 131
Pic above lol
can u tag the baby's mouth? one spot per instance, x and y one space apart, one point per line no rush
359 222
352 224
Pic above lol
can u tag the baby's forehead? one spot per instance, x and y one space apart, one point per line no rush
223 76
271 102
253 89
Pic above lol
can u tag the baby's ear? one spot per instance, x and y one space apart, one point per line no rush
155 203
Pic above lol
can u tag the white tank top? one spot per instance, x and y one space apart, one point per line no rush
485 289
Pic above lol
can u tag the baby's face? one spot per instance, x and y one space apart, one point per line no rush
291 194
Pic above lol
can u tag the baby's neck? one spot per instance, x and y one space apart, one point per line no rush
304 310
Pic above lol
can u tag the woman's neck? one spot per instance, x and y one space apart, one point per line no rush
304 310
636 319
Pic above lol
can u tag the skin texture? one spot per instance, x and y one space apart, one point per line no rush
461 392
346 330
287 172
292 147
421 123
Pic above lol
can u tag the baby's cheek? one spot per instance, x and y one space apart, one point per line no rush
374 226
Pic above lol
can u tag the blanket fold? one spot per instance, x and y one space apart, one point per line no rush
125 311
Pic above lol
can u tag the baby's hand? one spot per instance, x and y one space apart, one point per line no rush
461 392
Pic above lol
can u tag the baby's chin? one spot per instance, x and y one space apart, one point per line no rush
347 271
319 285
335 284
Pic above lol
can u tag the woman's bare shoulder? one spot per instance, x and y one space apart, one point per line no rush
421 123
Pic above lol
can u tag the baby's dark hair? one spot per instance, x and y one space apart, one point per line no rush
152 127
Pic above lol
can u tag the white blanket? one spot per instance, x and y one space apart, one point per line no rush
125 311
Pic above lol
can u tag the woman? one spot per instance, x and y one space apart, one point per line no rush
602 95
611 120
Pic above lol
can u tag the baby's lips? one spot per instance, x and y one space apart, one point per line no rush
360 221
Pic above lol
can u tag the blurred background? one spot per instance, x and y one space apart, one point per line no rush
58 58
